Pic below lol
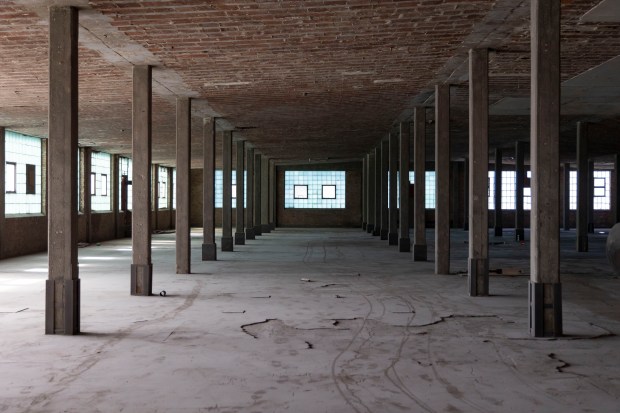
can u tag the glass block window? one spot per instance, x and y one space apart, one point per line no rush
312 184
219 188
174 188
602 189
162 188
429 190
527 194
125 168
572 190
329 192
509 187
491 189
23 174
101 171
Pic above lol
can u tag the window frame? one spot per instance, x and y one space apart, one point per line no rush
295 191
323 191
93 183
14 165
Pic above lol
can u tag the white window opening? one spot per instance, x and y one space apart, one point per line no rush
23 189
101 169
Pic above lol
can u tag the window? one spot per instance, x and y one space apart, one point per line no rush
234 191
429 189
509 187
306 189
301 192
174 188
491 189
527 193
125 171
22 174
162 188
9 177
602 187
100 166
329 192
219 187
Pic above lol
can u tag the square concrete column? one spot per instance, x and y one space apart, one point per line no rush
385 211
404 242
590 197
249 211
273 199
264 196
155 196
182 225
227 238
499 226
209 247
370 192
455 194
239 224
62 298
478 172
519 189
377 199
566 187
616 180
545 294
2 186
258 202
141 223
466 194
86 162
442 179
364 190
583 192
393 185
419 188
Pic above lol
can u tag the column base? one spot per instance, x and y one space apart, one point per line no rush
478 277
209 252
519 234
258 230
370 228
71 309
266 228
419 252
142 279
392 239
404 245
582 243
249 233
499 231
545 309
364 226
272 226
384 234
239 238
590 228
376 231
227 243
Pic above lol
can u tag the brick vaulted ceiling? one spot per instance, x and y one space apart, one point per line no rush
302 79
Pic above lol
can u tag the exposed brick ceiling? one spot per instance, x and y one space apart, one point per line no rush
314 79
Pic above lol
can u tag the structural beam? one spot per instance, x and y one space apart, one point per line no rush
404 242
499 225
393 185
583 181
545 294
519 190
442 179
478 270
419 194
240 190
249 211
182 222
227 238
385 211
209 247
62 304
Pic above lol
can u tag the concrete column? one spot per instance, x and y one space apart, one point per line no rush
393 227
2 187
155 195
478 172
239 224
385 211
566 196
419 194
404 242
258 228
227 238
209 247
171 189
590 197
141 267
466 194
377 192
273 199
364 194
62 299
264 196
442 176
115 180
519 186
455 194
499 226
370 193
545 289
85 189
182 223
249 211
616 180
582 187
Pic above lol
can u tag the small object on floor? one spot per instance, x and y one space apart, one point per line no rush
308 280
507 271
339 296
233 312
162 293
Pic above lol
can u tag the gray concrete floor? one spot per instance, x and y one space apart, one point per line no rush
371 331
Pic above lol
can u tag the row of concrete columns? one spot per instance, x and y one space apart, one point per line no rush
63 284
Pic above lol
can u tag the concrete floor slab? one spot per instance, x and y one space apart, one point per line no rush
308 320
